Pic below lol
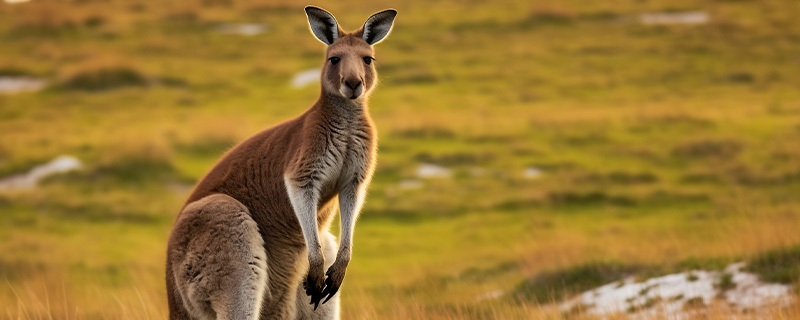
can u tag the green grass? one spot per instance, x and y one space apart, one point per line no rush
780 265
557 285
662 148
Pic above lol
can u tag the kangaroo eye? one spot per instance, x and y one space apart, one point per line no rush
368 60
335 60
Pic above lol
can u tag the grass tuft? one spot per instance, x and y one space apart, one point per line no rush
10 71
551 285
427 132
550 16
725 283
720 149
454 159
211 146
694 303
781 265
100 78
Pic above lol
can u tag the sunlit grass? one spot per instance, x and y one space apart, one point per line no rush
657 145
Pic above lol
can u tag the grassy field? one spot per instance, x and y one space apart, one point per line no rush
661 147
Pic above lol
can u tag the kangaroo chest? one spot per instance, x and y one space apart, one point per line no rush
347 158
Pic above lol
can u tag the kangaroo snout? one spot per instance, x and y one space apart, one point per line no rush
352 88
352 84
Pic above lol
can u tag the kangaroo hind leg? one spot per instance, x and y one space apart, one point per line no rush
217 258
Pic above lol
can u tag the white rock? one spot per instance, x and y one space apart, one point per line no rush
668 294
31 178
427 170
532 172
305 78
410 184
20 84
245 29
15 1
491 295
687 17
750 292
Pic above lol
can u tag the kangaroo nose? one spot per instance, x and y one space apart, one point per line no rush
352 84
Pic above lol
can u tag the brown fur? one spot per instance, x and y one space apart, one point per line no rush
328 151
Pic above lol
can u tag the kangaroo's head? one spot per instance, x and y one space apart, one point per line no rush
348 70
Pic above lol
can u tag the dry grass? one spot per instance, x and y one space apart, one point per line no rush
658 145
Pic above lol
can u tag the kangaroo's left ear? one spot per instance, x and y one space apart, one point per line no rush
323 24
378 26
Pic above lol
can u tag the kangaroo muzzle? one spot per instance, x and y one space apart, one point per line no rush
351 89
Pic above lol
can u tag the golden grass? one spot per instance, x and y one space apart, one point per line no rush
707 114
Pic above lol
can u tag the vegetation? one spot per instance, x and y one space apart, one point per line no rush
660 147
555 285
780 265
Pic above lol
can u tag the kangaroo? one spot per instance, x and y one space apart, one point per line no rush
256 226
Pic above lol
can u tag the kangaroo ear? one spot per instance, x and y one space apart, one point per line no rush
378 26
323 24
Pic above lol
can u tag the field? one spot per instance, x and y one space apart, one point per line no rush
582 146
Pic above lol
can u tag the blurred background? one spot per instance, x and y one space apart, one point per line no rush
529 150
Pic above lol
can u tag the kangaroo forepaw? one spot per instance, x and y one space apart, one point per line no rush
314 288
335 276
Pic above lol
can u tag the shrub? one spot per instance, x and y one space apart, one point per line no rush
98 78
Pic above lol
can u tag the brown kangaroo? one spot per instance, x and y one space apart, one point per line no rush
256 226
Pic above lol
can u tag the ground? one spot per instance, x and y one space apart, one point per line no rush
583 146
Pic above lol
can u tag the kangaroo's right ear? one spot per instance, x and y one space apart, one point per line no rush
323 24
378 26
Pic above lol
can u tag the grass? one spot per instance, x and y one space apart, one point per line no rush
558 285
780 265
661 148
725 283
104 78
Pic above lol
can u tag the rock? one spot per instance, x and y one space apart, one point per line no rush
427 170
491 295
306 77
661 18
532 173
409 184
29 180
244 29
679 295
20 84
